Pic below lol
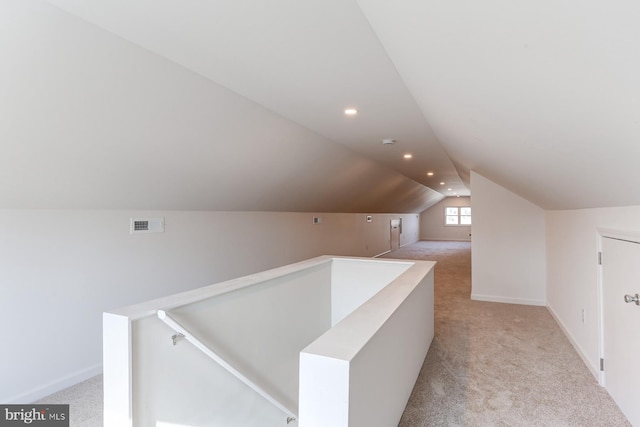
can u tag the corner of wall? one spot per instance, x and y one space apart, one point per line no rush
509 249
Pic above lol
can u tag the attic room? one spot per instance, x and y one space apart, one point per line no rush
227 119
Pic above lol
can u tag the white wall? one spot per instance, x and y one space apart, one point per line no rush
508 253
572 270
258 325
432 222
374 231
59 270
354 281
361 372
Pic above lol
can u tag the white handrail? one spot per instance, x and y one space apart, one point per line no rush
226 365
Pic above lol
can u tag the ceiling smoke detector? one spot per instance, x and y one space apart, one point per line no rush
388 141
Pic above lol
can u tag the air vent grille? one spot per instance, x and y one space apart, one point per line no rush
146 225
141 225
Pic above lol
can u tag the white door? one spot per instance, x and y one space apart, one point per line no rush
395 234
621 324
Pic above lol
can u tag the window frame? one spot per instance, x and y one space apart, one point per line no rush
458 216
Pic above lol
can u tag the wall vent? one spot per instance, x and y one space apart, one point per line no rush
146 225
141 225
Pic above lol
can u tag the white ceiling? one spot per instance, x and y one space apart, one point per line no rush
541 97
306 61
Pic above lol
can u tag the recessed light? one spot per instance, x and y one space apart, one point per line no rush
408 156
442 183
448 189
430 173
351 111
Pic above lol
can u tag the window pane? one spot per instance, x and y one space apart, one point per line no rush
465 220
451 211
465 211
452 220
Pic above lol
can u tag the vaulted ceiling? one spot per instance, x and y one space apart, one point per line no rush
239 105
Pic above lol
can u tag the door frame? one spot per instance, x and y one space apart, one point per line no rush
602 233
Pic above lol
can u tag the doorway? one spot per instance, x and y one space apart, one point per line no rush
620 323
396 230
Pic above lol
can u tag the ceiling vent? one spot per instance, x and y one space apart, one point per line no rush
388 141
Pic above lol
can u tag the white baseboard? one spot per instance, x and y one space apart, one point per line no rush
379 255
436 239
44 390
410 243
592 368
401 246
507 300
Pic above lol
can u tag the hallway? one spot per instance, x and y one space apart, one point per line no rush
493 364
490 364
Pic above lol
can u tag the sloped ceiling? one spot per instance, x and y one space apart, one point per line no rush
237 105
542 97
96 122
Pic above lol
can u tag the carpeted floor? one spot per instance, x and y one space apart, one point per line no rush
84 400
493 364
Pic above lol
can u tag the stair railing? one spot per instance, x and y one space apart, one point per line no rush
184 333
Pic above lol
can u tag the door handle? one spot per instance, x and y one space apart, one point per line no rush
629 298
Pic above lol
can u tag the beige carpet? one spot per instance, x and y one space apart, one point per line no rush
84 400
495 364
